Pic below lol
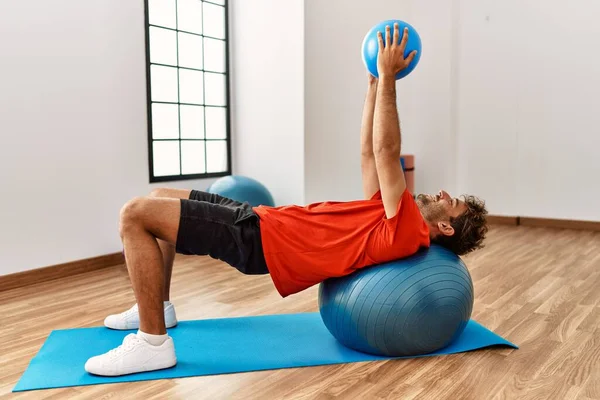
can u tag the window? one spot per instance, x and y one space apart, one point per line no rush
188 89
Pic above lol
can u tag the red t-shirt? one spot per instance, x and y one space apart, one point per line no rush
306 245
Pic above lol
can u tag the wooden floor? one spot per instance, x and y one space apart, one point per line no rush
538 287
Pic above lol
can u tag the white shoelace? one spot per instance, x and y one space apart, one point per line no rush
128 344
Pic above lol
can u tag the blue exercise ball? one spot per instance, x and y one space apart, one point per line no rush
407 307
244 189
370 46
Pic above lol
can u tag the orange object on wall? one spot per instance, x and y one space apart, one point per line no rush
408 163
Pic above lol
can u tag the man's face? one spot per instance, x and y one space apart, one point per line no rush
440 207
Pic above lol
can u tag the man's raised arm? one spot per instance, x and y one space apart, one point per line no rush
386 127
370 180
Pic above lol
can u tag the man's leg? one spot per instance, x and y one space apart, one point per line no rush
129 319
168 249
143 222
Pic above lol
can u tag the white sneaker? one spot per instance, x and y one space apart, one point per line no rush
134 355
130 319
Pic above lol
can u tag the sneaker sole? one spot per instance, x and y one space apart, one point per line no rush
137 371
137 327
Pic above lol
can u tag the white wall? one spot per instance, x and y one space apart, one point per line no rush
487 112
558 116
267 115
73 138
428 102
528 106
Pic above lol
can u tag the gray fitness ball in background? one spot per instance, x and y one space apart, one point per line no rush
411 306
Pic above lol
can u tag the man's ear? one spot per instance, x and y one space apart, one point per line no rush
445 228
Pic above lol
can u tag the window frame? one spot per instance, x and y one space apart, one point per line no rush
149 102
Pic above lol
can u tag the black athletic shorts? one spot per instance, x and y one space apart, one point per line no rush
222 228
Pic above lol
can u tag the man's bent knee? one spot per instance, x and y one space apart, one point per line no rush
131 214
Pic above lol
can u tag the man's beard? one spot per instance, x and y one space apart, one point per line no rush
431 212
423 199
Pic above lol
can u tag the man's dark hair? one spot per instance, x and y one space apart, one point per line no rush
469 228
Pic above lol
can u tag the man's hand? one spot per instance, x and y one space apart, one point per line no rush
391 59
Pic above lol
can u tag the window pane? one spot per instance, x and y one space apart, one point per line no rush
216 153
166 158
165 121
191 86
189 15
163 83
214 20
214 51
216 123
192 122
190 50
192 157
215 89
163 46
162 13
222 2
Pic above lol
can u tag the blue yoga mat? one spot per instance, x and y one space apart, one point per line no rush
217 346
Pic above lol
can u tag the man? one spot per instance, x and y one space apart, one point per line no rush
298 246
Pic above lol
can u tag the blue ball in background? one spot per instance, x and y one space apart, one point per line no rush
370 46
412 306
243 189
